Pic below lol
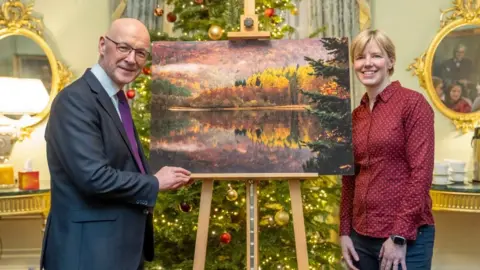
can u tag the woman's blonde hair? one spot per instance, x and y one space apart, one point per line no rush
384 42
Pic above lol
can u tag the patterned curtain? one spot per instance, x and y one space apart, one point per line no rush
141 10
340 17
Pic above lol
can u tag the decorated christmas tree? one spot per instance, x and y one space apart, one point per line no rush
176 213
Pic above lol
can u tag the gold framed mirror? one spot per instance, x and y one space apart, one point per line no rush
30 74
450 68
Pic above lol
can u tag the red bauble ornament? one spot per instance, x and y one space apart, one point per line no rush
147 71
185 207
171 17
131 93
269 12
225 238
199 2
158 11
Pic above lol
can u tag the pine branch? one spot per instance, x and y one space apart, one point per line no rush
231 16
318 97
320 145
328 116
318 31
337 47
321 68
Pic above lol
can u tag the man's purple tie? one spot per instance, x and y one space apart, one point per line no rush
128 125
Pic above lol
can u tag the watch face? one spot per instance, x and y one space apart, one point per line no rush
399 240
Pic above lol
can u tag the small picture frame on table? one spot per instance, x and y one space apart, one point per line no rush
33 66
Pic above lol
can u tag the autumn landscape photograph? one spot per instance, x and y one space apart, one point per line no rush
252 106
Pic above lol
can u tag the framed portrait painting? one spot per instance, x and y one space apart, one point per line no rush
33 66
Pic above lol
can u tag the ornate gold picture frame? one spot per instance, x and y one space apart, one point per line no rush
450 68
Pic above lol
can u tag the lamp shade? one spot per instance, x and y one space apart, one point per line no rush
19 96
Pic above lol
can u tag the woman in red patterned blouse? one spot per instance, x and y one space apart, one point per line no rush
385 214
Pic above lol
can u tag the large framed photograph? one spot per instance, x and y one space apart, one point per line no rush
33 66
266 107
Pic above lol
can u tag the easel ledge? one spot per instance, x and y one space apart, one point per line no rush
256 176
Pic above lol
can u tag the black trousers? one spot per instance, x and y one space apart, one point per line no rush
419 252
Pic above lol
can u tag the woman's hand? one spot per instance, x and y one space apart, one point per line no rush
392 255
348 251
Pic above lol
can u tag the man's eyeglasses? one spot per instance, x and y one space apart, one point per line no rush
142 54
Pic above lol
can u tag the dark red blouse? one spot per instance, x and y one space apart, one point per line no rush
462 106
394 154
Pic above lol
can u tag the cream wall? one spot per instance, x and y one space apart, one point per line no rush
72 28
412 24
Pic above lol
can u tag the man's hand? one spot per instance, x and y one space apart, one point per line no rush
348 251
392 255
172 178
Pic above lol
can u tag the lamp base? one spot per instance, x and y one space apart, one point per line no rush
5 146
7 176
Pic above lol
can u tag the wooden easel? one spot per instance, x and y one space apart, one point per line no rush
251 181
248 24
249 30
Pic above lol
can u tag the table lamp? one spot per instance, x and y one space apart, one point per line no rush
20 100
22 96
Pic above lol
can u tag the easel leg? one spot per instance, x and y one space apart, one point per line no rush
203 221
251 188
298 224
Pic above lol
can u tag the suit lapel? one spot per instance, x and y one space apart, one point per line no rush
107 104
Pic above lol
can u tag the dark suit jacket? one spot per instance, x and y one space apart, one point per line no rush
99 218
452 73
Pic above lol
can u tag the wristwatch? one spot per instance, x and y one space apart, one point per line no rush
398 240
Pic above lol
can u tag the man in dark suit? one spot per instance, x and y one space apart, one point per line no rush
102 191
458 68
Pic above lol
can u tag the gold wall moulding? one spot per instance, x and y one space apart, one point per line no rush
446 70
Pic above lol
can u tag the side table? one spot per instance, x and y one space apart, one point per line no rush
16 202
456 197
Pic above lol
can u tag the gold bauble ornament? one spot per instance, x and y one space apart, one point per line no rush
282 218
215 32
294 11
232 194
